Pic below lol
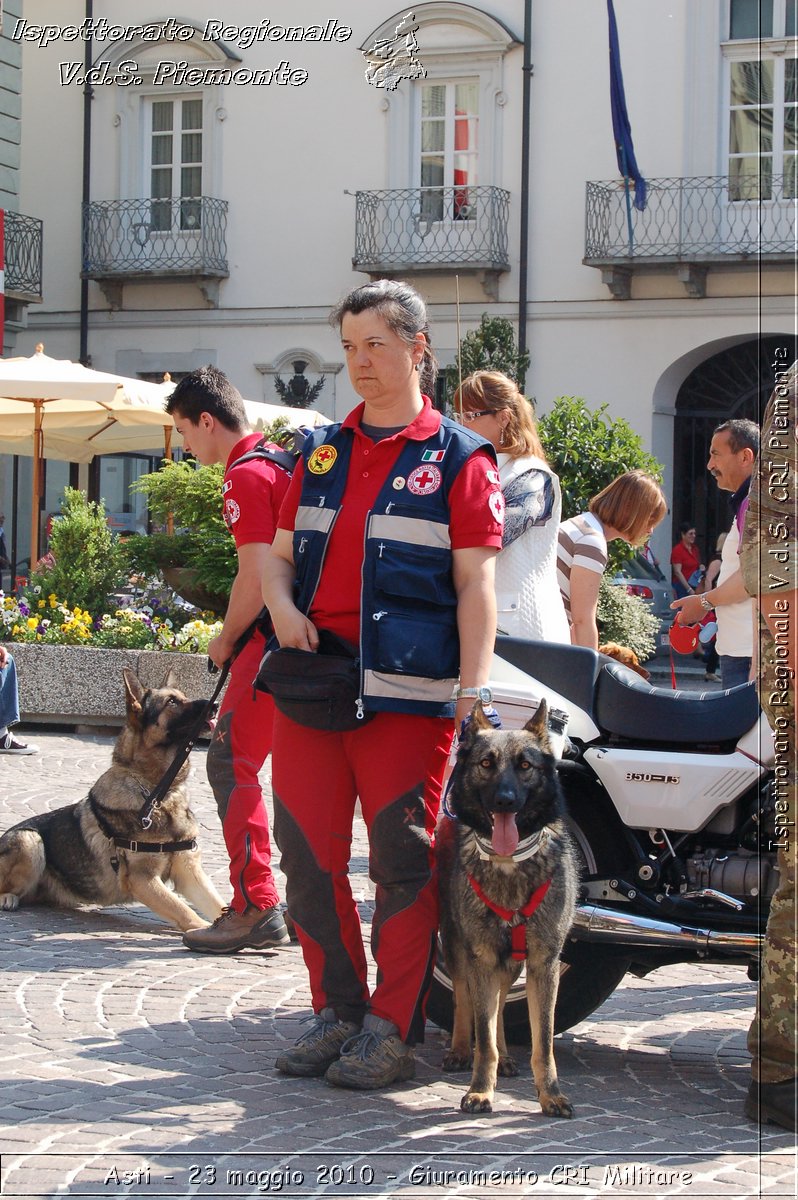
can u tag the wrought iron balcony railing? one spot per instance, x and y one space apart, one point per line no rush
23 257
128 239
427 228
711 219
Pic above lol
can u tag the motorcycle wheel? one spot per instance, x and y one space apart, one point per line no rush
591 974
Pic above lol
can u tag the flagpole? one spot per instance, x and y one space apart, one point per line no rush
630 230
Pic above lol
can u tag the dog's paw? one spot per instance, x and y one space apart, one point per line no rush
507 1066
8 901
476 1102
456 1062
556 1106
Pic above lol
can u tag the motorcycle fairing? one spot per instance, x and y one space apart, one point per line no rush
676 791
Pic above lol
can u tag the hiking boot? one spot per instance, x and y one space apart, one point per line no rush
774 1102
319 1046
12 745
255 928
373 1058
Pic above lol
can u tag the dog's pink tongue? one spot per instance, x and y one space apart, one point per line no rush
505 834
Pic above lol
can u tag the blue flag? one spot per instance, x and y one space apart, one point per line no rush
621 129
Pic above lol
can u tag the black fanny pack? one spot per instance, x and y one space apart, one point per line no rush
319 690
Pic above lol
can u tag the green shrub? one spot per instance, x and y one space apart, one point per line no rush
588 449
489 347
85 564
626 619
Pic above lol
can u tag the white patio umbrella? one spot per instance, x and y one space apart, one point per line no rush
44 399
58 409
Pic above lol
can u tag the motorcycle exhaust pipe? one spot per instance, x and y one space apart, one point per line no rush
594 924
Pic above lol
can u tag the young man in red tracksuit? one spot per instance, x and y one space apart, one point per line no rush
210 416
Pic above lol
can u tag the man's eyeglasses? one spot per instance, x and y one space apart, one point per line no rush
467 416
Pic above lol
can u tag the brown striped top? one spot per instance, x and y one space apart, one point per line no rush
581 543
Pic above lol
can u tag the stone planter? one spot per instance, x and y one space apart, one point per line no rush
78 685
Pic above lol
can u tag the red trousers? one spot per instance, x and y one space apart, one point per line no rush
241 742
394 764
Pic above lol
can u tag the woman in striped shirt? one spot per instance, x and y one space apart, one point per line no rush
628 508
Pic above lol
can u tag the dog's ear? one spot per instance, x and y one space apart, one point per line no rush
134 692
477 721
170 679
539 724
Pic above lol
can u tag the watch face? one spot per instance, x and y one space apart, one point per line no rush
485 695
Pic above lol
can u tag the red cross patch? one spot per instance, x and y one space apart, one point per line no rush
424 481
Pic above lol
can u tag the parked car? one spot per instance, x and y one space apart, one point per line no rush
641 578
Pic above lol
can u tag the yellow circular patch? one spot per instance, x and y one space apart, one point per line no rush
322 459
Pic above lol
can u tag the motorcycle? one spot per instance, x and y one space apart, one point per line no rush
670 804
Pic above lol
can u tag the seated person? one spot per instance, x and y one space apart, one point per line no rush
9 708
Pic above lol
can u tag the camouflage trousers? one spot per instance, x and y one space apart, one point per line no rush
772 1036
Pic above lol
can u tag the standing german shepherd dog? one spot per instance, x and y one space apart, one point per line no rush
96 852
508 883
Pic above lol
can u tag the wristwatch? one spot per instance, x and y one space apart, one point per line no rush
479 693
706 603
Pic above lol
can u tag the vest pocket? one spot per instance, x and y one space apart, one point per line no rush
410 644
415 572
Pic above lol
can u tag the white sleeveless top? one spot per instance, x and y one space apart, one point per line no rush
528 600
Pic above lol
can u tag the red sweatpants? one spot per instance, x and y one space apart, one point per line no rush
241 742
394 764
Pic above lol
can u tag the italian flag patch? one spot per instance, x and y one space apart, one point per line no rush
433 456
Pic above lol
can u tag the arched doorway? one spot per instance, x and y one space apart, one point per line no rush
734 383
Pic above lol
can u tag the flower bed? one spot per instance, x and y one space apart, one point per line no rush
70 666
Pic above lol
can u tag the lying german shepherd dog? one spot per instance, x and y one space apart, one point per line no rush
508 883
96 851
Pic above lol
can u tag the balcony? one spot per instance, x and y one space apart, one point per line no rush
23 259
688 227
408 230
126 241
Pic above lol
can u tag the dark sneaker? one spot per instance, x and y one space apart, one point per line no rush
11 745
374 1058
317 1048
255 928
774 1102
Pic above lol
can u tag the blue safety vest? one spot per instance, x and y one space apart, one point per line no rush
409 644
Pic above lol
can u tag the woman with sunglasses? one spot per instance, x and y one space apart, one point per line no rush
528 600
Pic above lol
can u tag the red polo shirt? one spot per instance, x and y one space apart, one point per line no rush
476 509
252 494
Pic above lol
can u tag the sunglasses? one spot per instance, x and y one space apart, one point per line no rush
466 417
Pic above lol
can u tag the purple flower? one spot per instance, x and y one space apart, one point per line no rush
24 609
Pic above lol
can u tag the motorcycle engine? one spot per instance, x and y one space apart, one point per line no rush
743 874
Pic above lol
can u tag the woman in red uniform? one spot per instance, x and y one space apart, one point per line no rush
387 539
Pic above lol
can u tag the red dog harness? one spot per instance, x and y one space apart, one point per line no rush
515 918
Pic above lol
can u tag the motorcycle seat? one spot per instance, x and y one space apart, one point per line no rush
572 671
628 707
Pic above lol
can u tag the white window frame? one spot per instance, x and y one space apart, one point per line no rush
177 99
777 51
449 151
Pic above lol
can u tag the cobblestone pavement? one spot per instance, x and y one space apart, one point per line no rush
134 1068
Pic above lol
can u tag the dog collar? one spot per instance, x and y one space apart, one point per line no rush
526 848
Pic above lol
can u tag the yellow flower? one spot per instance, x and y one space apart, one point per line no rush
32 622
41 604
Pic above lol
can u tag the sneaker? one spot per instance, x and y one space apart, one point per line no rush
255 928
320 1046
11 745
711 677
373 1058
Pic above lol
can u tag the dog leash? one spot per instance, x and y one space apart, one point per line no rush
161 788
516 918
